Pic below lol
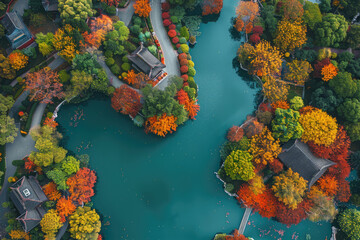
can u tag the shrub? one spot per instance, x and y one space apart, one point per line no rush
166 22
182 56
185 77
184 48
183 62
125 59
115 69
174 19
109 61
175 40
172 27
172 33
129 46
191 63
165 15
147 34
178 45
111 10
125 67
184 69
135 29
165 6
110 90
191 72
108 54
192 83
153 49
64 76
184 32
137 21
182 40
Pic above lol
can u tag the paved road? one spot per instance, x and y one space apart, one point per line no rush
20 6
170 55
125 14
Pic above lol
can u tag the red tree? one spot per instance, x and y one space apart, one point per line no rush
276 166
29 165
111 2
44 85
344 193
182 97
254 38
81 185
126 100
289 216
235 134
236 236
211 7
318 66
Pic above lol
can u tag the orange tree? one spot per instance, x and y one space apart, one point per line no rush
81 185
142 8
65 207
18 60
51 191
290 35
211 7
328 72
161 125
265 60
264 148
293 10
319 127
248 10
126 100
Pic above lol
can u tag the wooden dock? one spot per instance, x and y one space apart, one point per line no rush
244 220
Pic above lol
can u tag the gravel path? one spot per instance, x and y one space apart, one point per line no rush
170 55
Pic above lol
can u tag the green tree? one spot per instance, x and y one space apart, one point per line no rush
80 82
184 32
268 14
289 187
70 165
285 125
296 103
114 40
8 130
75 11
353 36
325 99
45 43
86 62
238 166
331 31
350 110
312 14
157 102
349 221
84 224
59 177
354 67
343 85
100 82
353 130
6 103
50 224
325 6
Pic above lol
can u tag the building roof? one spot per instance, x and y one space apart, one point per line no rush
50 5
17 33
144 61
31 218
27 194
298 156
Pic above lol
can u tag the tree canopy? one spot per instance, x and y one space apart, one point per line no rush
332 30
238 166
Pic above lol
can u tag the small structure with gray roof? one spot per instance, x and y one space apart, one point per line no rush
143 60
27 196
18 34
298 156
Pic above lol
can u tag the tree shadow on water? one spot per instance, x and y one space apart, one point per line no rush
234 34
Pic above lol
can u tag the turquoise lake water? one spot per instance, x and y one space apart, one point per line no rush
155 188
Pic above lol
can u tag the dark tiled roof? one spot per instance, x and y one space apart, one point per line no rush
50 5
144 61
17 32
27 194
298 156
31 218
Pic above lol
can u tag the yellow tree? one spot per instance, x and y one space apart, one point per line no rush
85 224
19 234
265 60
299 71
319 127
244 54
246 12
274 89
257 185
18 60
290 188
64 42
290 35
50 224
264 148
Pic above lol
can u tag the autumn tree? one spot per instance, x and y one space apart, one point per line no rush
264 148
328 72
275 89
51 191
18 60
50 224
257 185
19 234
290 216
100 26
114 3
248 10
211 7
243 53
328 185
319 127
293 10
65 208
126 100
265 60
85 224
285 125
238 166
279 104
44 85
67 41
81 185
290 35
161 125
290 188
192 108
70 165
6 71
142 8
235 134
299 71
80 82
253 127
236 236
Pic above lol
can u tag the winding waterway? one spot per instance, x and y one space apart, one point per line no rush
154 188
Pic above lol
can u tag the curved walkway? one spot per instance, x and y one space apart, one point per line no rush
170 55
125 14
